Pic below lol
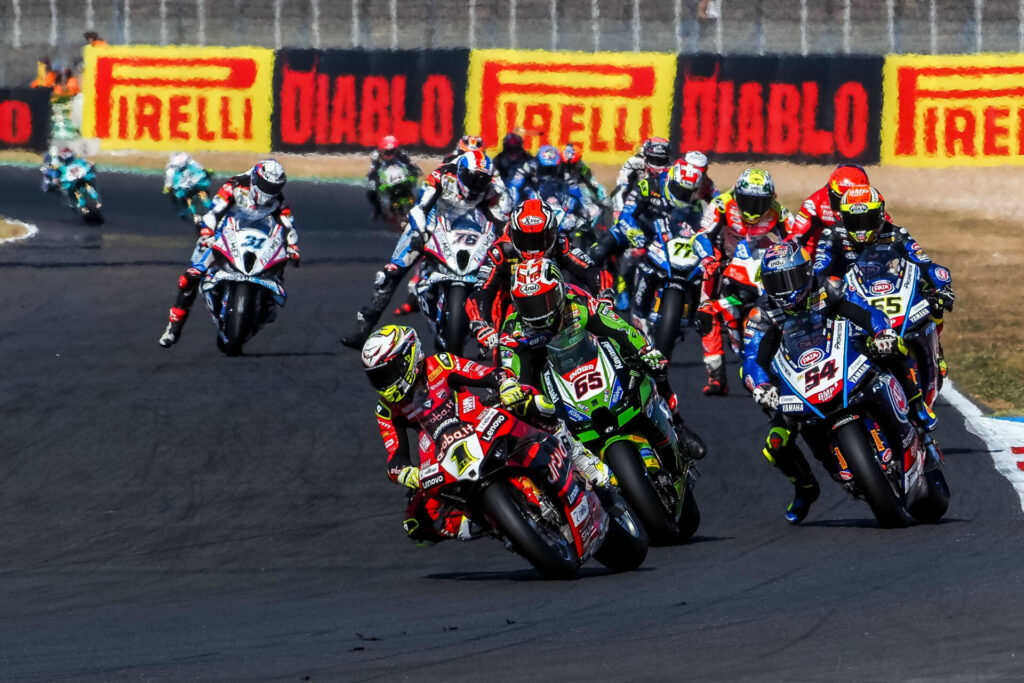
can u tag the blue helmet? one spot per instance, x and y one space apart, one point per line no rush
548 158
787 274
473 172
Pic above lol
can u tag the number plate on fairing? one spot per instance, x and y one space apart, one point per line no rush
815 375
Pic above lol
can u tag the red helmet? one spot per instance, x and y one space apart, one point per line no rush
388 146
572 152
532 229
842 179
538 294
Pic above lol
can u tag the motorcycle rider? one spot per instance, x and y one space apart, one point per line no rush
791 293
467 143
578 173
511 157
651 160
532 232
529 176
56 162
863 222
544 306
455 188
421 393
821 210
388 152
254 194
749 208
179 166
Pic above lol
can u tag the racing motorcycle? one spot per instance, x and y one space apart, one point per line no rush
574 219
396 189
610 407
832 387
521 485
893 285
453 254
244 286
78 181
194 203
671 268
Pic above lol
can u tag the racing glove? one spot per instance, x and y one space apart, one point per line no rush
512 395
886 344
409 476
636 238
767 395
205 237
944 298
486 336
654 360
292 250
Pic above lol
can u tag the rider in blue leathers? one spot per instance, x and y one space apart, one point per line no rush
184 177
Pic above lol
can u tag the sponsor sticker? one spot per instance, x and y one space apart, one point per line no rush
580 512
882 287
179 97
810 357
608 102
953 110
432 482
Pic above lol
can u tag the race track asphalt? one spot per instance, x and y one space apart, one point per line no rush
179 515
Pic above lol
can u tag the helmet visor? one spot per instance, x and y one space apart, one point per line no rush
541 311
539 242
862 226
753 206
391 378
784 283
679 194
475 182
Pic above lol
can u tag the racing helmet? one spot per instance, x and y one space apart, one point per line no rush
512 143
787 274
388 147
473 171
572 152
470 143
179 160
656 152
681 183
698 159
65 155
532 229
538 294
392 357
547 161
842 179
754 193
862 212
267 180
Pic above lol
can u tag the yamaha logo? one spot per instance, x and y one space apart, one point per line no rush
882 287
810 357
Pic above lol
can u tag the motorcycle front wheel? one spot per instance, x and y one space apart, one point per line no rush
239 319
638 489
456 322
670 314
515 519
853 441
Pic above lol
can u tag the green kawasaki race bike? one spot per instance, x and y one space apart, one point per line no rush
616 411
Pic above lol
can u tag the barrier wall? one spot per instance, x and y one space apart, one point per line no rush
906 110
24 118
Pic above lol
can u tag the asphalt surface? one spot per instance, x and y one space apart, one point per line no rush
179 515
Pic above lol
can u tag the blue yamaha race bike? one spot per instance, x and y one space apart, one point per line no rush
831 386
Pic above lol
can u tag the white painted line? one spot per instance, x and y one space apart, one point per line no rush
513 31
31 230
127 21
314 22
933 22
846 26
636 25
201 16
277 24
595 23
1001 437
53 23
163 22
554 24
16 25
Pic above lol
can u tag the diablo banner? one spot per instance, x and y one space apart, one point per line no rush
946 110
813 109
24 118
346 100
607 101
178 97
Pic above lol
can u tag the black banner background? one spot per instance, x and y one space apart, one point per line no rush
346 100
817 109
24 118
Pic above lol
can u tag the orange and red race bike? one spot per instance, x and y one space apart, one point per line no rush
519 483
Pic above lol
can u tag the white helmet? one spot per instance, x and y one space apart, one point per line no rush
267 180
179 160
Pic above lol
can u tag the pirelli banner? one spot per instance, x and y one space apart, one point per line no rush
813 109
953 110
346 100
24 118
179 97
607 101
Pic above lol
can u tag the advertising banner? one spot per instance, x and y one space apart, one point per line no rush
820 109
346 100
607 101
953 110
24 118
179 97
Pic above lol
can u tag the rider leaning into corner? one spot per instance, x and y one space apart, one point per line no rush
544 307
253 195
421 393
791 292
388 152
453 189
532 232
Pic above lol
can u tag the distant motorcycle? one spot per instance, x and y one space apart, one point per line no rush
453 254
244 287
189 192
396 188
78 182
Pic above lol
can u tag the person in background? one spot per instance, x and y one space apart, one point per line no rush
512 157
93 39
46 77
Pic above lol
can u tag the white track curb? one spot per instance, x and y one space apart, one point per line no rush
1001 437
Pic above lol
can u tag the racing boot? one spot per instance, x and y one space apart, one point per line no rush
804 494
385 281
591 467
784 455
411 305
689 441
366 318
716 384
174 325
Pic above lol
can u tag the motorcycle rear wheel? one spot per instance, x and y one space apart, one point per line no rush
507 511
456 322
853 443
625 545
638 490
930 508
